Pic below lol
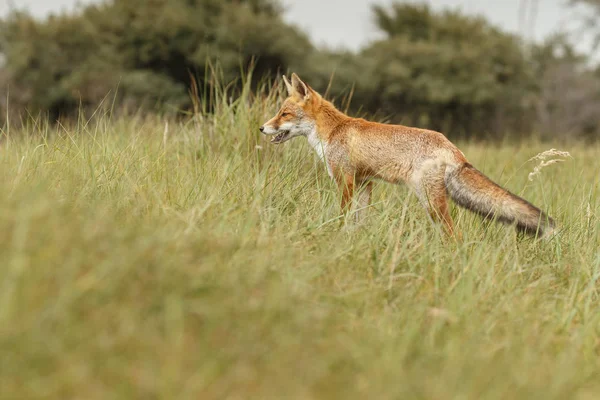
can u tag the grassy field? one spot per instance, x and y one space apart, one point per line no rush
192 260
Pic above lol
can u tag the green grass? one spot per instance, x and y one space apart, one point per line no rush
196 265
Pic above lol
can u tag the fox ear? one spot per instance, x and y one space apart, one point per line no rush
288 85
302 88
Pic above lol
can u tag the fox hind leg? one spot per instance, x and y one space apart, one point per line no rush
431 191
439 211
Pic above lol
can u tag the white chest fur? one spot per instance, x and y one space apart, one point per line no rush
320 147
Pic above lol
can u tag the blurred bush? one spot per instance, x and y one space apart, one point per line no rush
146 49
440 70
568 92
449 71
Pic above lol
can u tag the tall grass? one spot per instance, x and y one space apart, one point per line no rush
145 258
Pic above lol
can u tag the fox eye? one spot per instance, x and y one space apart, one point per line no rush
285 114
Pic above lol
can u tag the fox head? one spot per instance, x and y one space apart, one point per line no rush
297 114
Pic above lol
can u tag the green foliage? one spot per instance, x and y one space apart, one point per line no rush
440 70
147 49
568 95
447 71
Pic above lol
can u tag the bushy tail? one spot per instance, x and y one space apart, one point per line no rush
472 190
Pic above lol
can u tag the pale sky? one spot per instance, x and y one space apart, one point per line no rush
348 23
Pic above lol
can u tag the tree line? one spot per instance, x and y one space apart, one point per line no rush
442 70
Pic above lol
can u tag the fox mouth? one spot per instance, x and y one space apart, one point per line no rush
280 137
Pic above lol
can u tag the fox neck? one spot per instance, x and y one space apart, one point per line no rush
328 118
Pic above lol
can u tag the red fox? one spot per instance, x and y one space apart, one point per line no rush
357 151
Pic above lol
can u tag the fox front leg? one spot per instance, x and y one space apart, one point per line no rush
346 184
362 192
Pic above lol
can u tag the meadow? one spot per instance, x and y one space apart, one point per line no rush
143 257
